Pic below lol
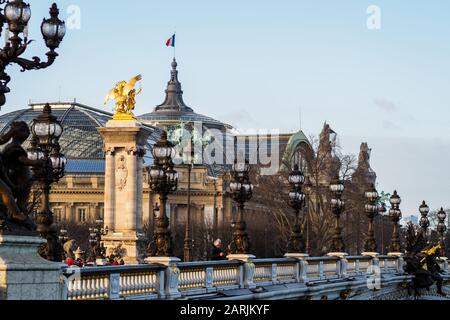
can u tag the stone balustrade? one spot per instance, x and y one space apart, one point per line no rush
97 283
202 279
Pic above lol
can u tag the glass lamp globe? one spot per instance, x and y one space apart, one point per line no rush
53 30
296 177
235 186
336 203
372 195
424 209
156 173
248 187
18 12
442 215
395 199
337 188
58 161
35 154
172 176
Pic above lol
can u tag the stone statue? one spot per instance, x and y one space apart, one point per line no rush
15 180
364 175
364 157
124 94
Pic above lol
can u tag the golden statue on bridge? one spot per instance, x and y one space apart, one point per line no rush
124 94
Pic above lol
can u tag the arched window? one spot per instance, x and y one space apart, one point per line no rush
299 158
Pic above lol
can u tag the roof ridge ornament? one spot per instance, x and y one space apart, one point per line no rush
174 94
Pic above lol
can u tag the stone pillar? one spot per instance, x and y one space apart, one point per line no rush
24 275
110 187
124 144
248 268
140 195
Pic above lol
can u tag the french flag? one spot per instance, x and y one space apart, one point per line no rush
171 42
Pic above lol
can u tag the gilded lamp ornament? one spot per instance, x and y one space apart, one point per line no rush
124 94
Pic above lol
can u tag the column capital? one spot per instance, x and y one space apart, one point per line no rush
133 150
110 151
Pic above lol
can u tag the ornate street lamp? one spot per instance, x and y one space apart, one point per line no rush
396 215
297 202
242 191
424 221
337 207
46 131
16 16
372 210
163 181
442 228
382 211
95 240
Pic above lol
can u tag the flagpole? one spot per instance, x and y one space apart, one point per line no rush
175 45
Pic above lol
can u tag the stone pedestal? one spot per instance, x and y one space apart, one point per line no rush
400 261
337 254
298 256
370 254
24 275
241 257
302 267
171 274
249 268
343 264
124 147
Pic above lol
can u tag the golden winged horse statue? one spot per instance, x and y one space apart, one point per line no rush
124 94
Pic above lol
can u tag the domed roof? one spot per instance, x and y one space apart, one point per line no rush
174 110
80 139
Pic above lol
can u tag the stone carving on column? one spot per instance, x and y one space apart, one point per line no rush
122 173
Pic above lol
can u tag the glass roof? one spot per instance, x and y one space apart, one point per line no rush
80 139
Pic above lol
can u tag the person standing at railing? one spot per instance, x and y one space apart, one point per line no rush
217 252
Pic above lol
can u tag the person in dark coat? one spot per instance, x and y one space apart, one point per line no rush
217 252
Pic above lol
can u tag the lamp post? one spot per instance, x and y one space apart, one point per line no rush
189 159
396 215
15 16
297 202
382 213
163 181
424 221
95 240
442 228
242 191
46 131
371 209
337 207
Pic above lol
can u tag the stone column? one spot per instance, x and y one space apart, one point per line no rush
110 187
124 142
140 195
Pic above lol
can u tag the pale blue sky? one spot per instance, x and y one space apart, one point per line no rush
254 63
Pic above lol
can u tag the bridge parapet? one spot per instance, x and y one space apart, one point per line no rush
310 277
